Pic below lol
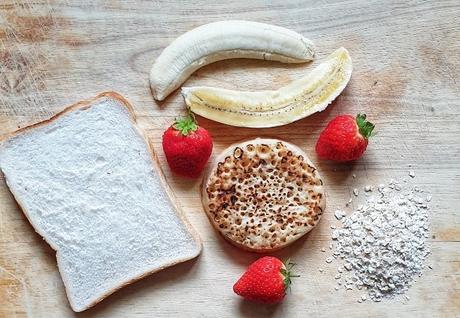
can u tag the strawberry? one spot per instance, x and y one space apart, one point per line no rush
345 138
187 147
265 281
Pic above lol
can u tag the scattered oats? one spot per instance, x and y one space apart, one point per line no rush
355 192
339 214
360 301
331 246
349 202
333 227
337 287
412 174
320 270
354 176
407 297
329 260
323 249
383 243
335 234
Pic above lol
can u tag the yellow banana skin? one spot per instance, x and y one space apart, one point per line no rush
299 99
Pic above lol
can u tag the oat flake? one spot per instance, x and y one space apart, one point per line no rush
383 243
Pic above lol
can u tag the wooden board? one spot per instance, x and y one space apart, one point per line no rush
406 61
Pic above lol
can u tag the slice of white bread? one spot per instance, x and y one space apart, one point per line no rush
90 184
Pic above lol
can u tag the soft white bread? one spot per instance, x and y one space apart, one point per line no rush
89 183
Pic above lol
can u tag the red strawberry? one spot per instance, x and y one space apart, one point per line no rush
265 281
187 147
345 138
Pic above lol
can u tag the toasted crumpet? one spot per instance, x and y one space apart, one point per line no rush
263 194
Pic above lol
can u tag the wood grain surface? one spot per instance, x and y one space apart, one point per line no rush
406 57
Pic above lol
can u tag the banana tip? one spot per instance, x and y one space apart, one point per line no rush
185 91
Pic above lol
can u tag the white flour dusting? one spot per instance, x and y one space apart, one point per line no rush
382 244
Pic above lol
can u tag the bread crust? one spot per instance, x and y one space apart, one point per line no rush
84 104
204 196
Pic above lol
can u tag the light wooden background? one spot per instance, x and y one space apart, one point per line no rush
406 57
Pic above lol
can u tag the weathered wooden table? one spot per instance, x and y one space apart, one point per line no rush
406 62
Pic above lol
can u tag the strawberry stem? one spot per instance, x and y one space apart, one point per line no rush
287 274
186 125
365 127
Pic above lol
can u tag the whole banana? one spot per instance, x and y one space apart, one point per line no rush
299 99
225 40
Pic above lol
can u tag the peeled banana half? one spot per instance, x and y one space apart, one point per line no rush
225 40
299 99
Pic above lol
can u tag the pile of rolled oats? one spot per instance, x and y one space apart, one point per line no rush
382 245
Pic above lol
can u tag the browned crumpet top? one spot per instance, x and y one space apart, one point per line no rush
263 194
